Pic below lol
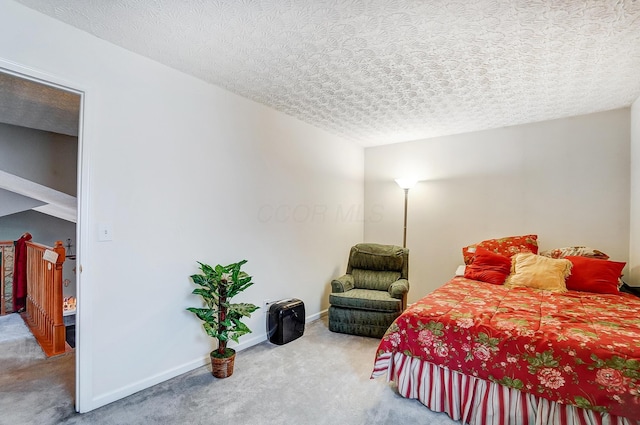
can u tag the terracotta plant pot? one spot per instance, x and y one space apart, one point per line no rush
222 367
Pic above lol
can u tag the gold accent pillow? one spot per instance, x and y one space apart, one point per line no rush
536 271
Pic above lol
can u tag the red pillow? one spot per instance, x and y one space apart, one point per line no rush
508 246
594 275
487 266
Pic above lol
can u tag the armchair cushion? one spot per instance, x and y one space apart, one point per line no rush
374 279
342 284
376 257
366 299
399 288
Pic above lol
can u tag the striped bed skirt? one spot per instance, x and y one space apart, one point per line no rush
475 401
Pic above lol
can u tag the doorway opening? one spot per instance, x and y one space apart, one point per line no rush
40 179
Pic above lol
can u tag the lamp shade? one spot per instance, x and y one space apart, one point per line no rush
406 183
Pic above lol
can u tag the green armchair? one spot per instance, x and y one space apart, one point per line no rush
373 292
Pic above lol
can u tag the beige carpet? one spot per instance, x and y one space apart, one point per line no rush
17 344
12 327
320 378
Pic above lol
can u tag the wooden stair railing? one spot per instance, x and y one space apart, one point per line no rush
44 298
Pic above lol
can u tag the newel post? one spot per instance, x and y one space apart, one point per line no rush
58 321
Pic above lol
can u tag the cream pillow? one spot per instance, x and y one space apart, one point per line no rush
536 271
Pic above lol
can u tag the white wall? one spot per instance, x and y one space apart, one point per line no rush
44 228
46 158
184 171
565 180
634 243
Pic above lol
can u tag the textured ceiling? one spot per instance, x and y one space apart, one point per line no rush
385 71
29 104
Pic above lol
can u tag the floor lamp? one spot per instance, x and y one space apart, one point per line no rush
405 184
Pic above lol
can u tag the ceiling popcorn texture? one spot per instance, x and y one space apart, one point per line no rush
387 71
29 104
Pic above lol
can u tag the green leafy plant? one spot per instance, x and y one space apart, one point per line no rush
221 318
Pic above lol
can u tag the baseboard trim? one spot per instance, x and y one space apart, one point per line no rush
143 384
317 316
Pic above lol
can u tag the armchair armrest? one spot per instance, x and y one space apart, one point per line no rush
399 288
342 284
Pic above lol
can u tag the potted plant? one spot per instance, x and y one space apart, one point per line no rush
221 318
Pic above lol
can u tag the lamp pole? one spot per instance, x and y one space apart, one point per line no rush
406 202
405 184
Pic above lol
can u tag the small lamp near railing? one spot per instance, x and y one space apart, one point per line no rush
406 184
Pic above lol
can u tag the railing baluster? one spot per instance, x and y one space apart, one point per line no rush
44 297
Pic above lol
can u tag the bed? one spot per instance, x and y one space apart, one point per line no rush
495 353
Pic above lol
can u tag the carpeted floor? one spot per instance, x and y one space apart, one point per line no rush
12 328
31 385
320 378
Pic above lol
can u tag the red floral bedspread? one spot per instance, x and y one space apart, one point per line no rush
576 348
